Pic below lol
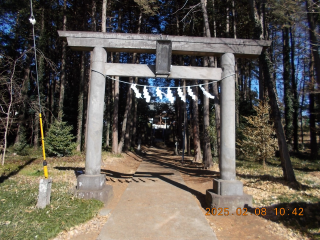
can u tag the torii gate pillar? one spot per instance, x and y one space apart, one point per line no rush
92 183
227 191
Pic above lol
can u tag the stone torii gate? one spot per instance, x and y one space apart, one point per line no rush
227 191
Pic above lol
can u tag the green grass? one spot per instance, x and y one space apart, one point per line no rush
32 172
20 219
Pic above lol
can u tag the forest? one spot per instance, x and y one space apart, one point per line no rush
277 95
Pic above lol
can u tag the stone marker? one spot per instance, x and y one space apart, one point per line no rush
44 192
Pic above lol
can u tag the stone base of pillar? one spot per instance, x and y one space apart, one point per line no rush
227 194
227 187
232 202
94 187
91 182
104 195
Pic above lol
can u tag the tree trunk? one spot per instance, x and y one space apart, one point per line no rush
313 37
115 117
234 20
214 20
115 143
314 66
126 116
287 88
302 103
80 102
24 93
135 103
287 169
135 116
63 64
212 63
207 155
196 132
52 94
295 95
127 121
227 19
36 131
262 84
108 112
185 118
6 130
312 112
288 172
108 102
93 16
104 16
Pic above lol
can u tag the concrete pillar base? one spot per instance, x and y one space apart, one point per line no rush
232 202
91 182
104 195
93 186
227 187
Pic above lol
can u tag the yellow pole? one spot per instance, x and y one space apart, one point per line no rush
45 168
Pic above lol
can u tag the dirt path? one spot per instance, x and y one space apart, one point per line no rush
119 172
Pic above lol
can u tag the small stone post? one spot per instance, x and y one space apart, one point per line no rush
227 191
44 192
92 183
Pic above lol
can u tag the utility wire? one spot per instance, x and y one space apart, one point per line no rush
33 22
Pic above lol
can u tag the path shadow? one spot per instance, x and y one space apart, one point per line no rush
199 195
78 171
3 178
189 169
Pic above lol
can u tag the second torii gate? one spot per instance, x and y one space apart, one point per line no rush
227 191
